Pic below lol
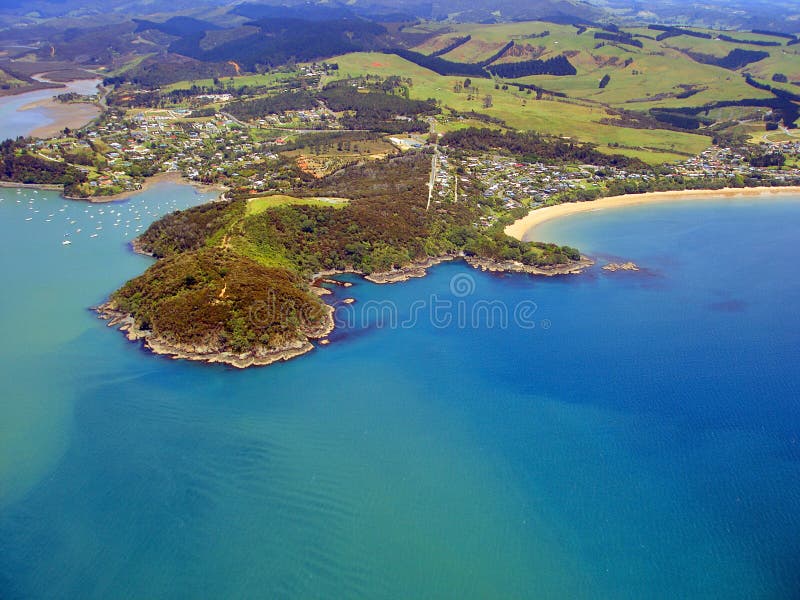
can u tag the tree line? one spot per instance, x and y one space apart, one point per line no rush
534 147
557 65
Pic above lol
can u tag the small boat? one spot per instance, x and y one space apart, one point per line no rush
29 219
93 235
66 243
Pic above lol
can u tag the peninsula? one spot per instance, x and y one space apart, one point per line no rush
383 150
234 279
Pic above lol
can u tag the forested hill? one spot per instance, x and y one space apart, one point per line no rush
535 147
281 40
180 26
219 261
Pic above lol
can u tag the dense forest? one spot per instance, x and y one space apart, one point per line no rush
619 38
727 38
778 34
156 72
375 110
374 104
670 31
281 40
18 165
181 231
558 65
534 147
218 264
280 103
735 59
440 65
459 41
221 302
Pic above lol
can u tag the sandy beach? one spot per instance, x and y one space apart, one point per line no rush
522 228
74 116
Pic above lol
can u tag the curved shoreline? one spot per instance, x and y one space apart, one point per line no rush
163 177
72 115
261 356
168 177
522 228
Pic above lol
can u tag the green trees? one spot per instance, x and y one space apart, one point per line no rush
232 282
16 164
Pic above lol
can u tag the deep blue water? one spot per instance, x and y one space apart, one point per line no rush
466 435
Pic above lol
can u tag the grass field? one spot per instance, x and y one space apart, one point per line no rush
651 80
653 76
256 206
268 79
522 111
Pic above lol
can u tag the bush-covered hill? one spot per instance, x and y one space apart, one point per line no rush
215 301
232 283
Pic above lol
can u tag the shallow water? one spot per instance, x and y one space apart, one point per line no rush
464 435
18 120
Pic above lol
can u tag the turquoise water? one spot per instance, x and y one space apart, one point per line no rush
18 120
613 435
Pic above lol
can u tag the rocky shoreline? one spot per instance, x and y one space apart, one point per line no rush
510 266
260 356
420 269
411 271
626 266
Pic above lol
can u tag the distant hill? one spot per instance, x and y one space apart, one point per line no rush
776 15
279 40
179 26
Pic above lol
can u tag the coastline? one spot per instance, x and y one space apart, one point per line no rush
50 187
74 116
521 228
260 356
149 182
163 177
37 86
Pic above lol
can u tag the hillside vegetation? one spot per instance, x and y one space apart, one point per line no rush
233 280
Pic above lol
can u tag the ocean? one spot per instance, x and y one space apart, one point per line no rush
464 435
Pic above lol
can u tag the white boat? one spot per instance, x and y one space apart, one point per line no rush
66 243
